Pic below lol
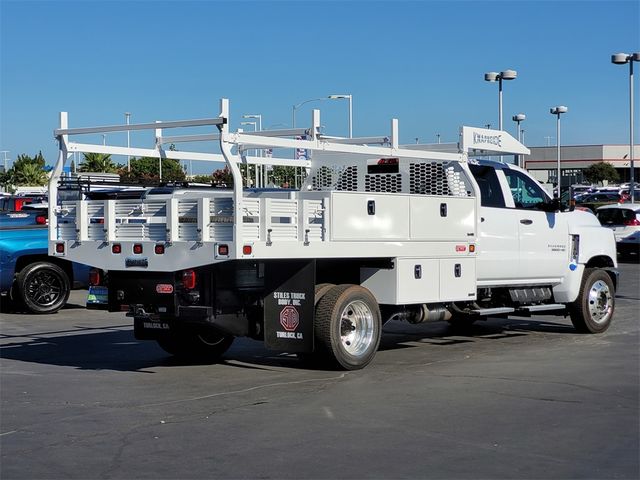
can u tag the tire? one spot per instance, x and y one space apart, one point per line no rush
207 345
347 327
43 287
593 309
321 291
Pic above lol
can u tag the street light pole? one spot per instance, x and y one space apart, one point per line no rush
4 152
621 59
559 110
520 117
127 117
258 117
350 98
504 75
257 173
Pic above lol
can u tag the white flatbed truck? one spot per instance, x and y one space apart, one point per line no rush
378 231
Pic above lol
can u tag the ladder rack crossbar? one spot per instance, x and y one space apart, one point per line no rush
140 126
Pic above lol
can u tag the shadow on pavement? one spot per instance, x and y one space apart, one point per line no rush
115 348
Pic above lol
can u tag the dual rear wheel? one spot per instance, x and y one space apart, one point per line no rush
347 327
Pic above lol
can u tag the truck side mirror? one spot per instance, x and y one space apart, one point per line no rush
551 206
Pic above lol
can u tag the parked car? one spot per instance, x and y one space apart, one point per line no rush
598 199
624 220
28 275
15 203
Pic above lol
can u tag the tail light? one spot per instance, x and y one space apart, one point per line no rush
59 247
632 223
94 276
41 219
137 248
159 249
189 279
116 248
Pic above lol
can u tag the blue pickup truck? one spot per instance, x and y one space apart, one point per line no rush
28 276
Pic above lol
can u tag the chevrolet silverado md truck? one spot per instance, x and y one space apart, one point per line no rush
378 231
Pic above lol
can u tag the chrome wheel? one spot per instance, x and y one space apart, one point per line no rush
600 302
356 327
347 327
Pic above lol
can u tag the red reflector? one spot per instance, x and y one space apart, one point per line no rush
461 248
94 276
41 220
189 279
388 161
59 247
472 248
223 250
137 248
164 288
159 249
116 248
247 250
633 222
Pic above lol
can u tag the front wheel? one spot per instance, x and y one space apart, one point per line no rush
43 287
347 327
207 346
593 309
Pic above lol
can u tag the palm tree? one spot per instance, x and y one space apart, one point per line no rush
97 162
30 174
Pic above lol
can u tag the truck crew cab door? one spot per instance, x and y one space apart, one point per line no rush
498 244
543 236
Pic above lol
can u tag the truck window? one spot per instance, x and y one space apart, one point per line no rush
526 193
490 191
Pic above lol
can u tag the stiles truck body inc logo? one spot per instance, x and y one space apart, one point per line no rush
289 316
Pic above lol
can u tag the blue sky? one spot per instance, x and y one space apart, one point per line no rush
421 62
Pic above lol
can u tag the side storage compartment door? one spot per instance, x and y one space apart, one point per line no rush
369 217
442 218
411 280
457 279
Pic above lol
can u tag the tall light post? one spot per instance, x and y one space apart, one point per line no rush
350 98
330 97
520 117
621 59
127 117
499 77
258 117
6 165
257 173
557 111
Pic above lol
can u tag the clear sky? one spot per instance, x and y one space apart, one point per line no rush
422 62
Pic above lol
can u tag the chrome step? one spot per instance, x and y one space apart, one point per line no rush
542 308
493 311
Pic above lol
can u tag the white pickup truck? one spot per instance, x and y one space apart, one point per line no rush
378 231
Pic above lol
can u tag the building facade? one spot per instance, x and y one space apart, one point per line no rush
543 162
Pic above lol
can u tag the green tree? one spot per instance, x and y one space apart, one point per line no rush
98 162
283 176
598 172
147 170
31 175
7 180
26 170
202 179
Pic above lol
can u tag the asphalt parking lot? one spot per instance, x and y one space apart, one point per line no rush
511 398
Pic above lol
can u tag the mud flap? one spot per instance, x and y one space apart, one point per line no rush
289 305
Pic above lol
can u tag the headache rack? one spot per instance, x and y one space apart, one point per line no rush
363 197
